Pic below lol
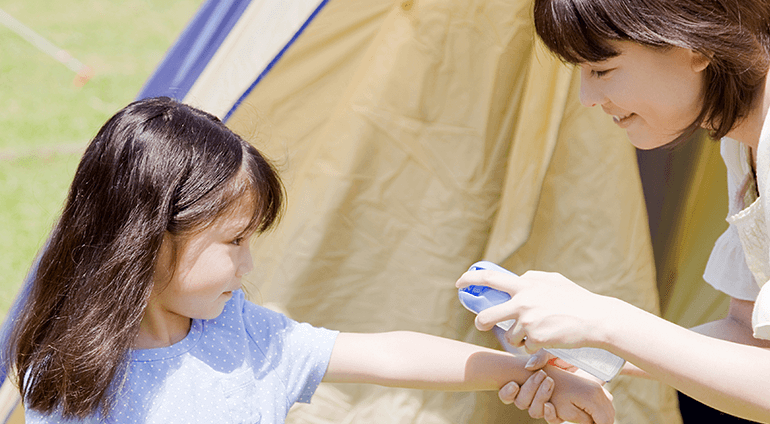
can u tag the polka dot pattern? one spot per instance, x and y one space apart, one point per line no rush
249 365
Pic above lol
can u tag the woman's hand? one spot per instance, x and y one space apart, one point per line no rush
549 309
534 395
573 398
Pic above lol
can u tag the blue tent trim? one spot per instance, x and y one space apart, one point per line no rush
197 44
275 60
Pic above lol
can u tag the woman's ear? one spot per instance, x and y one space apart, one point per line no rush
699 61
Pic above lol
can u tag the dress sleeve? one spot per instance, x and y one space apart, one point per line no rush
760 318
298 352
726 269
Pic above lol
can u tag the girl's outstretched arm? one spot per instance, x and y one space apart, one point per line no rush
421 361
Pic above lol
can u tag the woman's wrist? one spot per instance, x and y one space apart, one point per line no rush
614 320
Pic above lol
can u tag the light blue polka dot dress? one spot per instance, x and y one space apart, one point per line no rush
249 365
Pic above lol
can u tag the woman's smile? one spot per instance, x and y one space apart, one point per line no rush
623 121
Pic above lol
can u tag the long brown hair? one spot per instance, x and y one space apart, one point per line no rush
733 34
156 166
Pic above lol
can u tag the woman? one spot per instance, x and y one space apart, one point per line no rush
662 70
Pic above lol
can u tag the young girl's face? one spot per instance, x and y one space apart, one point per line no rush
654 94
208 268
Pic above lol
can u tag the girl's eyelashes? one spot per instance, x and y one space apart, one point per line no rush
239 240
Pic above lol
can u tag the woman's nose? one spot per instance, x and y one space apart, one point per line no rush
589 94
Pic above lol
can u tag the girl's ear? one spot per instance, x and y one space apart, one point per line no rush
699 61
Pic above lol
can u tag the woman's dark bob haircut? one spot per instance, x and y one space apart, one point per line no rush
156 167
733 34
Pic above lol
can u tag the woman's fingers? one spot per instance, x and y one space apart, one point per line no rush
507 393
550 414
531 396
509 283
538 360
543 395
515 335
549 310
489 317
528 390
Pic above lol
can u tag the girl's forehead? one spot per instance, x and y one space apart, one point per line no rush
232 223
237 218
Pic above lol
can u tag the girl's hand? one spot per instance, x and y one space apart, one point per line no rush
549 309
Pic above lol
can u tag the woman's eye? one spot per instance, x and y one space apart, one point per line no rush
599 74
237 241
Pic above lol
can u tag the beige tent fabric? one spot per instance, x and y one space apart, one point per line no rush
415 138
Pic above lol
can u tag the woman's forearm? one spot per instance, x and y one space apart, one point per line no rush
728 376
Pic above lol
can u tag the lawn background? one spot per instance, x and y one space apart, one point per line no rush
46 121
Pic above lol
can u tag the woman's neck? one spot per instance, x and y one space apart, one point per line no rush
749 129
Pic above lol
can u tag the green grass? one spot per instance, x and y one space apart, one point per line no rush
46 121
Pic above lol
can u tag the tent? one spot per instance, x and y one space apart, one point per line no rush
416 137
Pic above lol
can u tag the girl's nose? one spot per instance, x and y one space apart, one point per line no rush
246 263
589 94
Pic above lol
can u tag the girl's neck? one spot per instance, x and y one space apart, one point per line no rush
748 131
161 328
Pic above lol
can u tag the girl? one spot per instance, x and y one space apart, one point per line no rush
662 69
136 314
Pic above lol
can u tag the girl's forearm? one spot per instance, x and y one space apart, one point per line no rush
728 376
632 370
421 361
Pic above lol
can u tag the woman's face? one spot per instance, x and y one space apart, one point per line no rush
654 94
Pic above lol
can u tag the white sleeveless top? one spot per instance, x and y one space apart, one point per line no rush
739 264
